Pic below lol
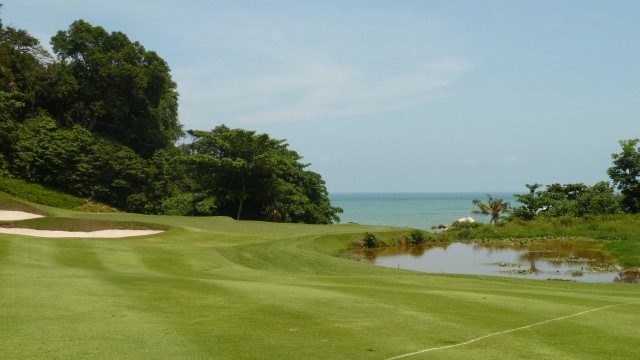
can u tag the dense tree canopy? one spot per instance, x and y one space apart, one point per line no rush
625 174
23 65
100 121
567 200
113 86
251 175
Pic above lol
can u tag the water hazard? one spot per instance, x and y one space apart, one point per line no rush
582 261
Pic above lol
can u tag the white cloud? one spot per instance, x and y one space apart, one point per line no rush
510 159
314 88
270 73
326 159
469 162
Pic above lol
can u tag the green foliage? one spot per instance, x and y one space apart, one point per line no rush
370 240
531 203
251 174
625 174
7 203
23 68
622 230
119 89
190 204
75 161
627 252
465 225
462 230
573 200
417 237
493 207
100 122
38 194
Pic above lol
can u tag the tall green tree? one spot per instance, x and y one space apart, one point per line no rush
599 199
76 161
493 207
252 174
240 163
115 87
625 174
567 200
531 202
23 66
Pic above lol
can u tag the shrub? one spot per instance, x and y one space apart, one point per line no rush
458 225
370 240
390 241
464 234
417 237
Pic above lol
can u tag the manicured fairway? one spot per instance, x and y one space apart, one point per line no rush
214 288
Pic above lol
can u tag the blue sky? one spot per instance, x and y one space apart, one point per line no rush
396 96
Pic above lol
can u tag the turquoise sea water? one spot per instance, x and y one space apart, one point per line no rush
415 210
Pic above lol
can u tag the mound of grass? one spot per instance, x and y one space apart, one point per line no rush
7 203
38 194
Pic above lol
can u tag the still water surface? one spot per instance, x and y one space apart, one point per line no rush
556 259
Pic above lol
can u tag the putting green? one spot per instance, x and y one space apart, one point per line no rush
214 288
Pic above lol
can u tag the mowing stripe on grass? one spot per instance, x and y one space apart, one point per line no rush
509 331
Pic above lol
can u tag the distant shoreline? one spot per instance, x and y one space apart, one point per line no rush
409 209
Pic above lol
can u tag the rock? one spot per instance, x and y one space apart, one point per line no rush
466 220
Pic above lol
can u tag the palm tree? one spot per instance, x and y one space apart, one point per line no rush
493 207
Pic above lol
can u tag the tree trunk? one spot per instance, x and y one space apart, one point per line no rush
241 198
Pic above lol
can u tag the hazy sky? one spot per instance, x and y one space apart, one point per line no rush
391 96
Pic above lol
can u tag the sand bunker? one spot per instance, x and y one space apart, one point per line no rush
78 234
6 215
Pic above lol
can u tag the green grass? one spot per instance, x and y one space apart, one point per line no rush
39 194
215 288
7 203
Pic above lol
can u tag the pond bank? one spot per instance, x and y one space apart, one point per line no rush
568 260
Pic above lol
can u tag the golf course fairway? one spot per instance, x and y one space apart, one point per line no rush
215 288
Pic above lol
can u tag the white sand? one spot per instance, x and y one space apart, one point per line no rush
78 234
7 215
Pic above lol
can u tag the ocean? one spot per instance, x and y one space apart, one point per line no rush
414 210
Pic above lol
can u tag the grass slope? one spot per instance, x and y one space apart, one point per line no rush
214 288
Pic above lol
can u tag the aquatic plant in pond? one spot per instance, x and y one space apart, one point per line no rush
553 259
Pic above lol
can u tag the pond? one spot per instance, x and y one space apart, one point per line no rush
572 260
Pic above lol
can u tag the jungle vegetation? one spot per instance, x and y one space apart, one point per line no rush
98 119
